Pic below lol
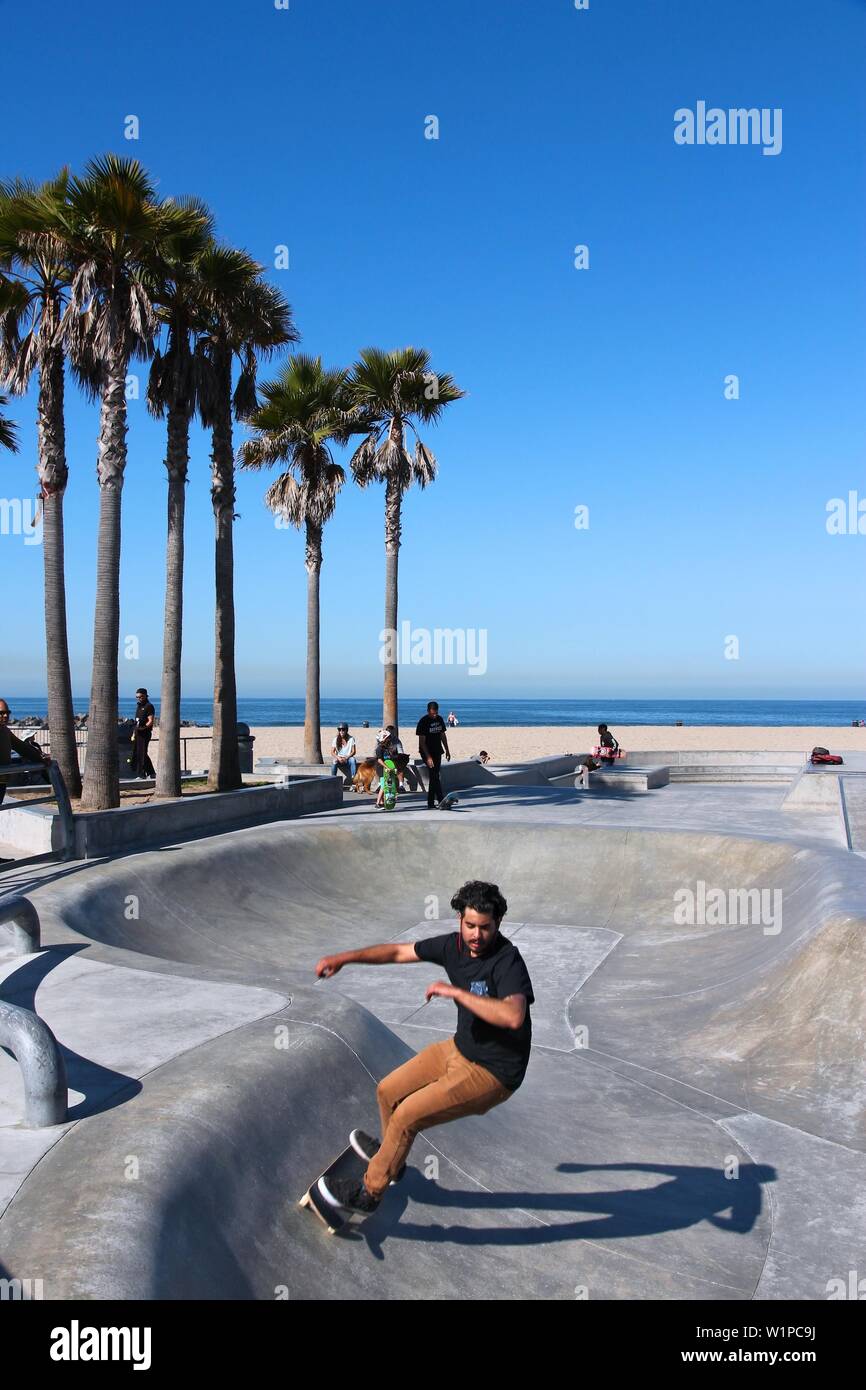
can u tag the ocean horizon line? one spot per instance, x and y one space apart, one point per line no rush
529 712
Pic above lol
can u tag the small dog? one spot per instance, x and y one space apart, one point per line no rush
365 776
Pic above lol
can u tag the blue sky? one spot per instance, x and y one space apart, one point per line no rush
602 387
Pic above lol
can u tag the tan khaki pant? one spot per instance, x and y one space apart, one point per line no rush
436 1086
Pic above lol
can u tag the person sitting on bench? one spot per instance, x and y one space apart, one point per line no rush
607 744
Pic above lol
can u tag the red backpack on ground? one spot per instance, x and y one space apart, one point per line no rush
822 756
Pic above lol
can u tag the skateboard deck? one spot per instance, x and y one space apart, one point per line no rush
389 785
348 1164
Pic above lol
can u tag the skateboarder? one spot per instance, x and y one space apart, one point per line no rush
432 740
481 1066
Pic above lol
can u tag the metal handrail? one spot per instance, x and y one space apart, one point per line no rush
59 794
35 1049
20 914
42 738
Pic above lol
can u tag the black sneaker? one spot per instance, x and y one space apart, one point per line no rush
348 1194
367 1147
364 1144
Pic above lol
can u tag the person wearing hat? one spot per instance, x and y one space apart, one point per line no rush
387 746
343 753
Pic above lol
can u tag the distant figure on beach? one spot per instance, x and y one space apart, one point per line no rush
608 746
480 1067
482 757
431 742
453 721
344 753
141 735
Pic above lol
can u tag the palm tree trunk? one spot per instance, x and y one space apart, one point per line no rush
101 780
177 461
393 504
312 715
225 772
53 476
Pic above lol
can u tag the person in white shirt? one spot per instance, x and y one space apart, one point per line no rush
343 753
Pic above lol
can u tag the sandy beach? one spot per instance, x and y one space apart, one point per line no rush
518 744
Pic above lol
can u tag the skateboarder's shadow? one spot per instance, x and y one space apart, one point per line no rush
689 1195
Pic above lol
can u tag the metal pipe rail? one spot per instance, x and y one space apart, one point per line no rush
20 914
42 737
35 1049
58 794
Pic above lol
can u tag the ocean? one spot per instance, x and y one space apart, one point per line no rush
498 713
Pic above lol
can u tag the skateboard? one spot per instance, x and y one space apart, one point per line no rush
447 803
347 1165
389 785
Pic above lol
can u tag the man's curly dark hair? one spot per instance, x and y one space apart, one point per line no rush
481 897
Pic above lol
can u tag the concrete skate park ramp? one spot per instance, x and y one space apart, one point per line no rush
691 1125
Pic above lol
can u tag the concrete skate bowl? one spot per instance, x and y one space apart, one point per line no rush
691 1125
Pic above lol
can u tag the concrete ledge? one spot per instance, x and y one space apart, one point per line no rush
720 757
37 829
33 829
635 778
814 789
105 832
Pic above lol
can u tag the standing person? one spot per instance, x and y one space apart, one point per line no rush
142 734
453 721
431 741
481 1066
343 752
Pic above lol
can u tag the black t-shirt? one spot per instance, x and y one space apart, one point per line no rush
498 973
432 727
142 714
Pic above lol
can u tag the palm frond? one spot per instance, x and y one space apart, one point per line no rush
8 430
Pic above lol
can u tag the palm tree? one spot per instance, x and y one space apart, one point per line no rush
305 408
247 318
171 393
390 389
8 430
113 229
32 300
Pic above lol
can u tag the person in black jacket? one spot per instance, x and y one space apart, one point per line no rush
142 734
10 744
